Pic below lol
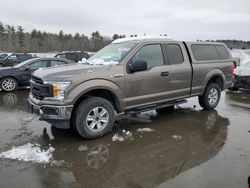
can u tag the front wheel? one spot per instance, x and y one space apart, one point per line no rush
94 117
211 97
8 84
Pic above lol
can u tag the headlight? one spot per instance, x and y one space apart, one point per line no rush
58 89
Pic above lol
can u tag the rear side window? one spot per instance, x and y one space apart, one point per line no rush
175 55
37 65
222 51
209 52
152 54
205 52
55 63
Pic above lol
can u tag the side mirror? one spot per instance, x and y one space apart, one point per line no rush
137 65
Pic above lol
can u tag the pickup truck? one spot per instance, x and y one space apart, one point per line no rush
129 76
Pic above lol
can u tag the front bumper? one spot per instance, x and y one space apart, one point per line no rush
59 116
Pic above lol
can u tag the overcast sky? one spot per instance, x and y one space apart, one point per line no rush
180 19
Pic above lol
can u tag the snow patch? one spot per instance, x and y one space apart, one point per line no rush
145 130
126 135
82 148
98 61
29 152
177 137
117 137
27 119
141 38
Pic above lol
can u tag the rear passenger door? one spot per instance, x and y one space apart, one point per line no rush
180 70
151 85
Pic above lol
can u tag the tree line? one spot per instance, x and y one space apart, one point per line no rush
15 39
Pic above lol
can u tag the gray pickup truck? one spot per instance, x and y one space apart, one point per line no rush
130 76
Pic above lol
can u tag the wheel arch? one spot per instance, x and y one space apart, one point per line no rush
9 77
98 88
215 76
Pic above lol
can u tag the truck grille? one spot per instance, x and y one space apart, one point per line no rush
39 90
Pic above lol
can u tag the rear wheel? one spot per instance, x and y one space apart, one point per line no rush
94 117
8 84
211 97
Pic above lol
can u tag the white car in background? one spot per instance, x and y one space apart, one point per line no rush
242 71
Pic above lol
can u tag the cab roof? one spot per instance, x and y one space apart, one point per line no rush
143 38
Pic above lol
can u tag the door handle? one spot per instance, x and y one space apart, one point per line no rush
164 74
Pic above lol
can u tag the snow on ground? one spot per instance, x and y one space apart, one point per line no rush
29 152
117 137
143 130
126 135
177 137
82 148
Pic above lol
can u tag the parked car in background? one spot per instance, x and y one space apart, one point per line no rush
241 72
14 59
19 75
3 55
73 55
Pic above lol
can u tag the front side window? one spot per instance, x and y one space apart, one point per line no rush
152 54
36 65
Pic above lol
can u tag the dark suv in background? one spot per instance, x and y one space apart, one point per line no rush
73 55
14 58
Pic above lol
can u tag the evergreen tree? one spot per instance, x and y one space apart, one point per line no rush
20 35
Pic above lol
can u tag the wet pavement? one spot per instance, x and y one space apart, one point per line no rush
186 148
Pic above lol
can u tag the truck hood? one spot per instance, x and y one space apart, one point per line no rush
65 72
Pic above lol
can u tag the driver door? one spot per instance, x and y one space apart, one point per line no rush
151 85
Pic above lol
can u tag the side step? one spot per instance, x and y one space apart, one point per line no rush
155 106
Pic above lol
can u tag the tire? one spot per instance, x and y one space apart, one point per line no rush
211 97
87 118
8 84
168 109
1 65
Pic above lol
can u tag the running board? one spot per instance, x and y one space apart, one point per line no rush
155 106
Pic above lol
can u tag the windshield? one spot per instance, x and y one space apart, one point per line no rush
2 56
23 63
112 54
